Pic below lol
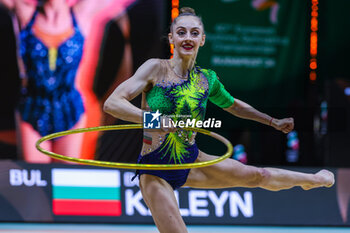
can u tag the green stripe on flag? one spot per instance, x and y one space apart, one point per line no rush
98 193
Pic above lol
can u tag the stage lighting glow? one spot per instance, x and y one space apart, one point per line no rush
347 91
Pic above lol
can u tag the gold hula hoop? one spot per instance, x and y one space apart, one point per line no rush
132 165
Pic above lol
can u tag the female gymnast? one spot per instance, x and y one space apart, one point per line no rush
179 88
51 40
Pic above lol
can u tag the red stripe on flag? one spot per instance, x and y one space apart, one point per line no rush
86 207
147 141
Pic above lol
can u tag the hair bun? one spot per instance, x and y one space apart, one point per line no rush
187 10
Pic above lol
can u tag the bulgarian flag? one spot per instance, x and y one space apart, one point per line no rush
86 192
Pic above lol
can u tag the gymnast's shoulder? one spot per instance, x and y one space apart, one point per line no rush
150 68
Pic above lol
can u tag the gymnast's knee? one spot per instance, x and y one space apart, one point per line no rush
260 176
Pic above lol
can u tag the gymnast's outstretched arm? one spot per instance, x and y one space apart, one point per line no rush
118 103
245 111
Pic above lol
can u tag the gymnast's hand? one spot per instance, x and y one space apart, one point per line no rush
285 125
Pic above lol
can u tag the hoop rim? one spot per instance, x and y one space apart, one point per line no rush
132 165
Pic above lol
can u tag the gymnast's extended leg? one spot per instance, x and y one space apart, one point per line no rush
159 197
231 173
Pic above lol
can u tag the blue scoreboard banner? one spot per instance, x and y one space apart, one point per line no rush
76 193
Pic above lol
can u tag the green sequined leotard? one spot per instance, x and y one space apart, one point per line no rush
186 100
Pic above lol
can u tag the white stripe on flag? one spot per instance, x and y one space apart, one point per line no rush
85 177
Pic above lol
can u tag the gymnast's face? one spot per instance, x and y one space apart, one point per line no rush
187 35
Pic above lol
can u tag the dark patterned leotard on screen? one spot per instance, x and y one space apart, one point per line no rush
51 102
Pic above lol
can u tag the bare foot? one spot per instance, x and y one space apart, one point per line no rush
323 178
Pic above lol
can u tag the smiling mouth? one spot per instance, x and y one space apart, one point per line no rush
187 46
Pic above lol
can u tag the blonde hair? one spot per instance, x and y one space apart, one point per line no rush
186 11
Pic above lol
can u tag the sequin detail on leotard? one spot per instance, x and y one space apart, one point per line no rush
51 103
182 101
